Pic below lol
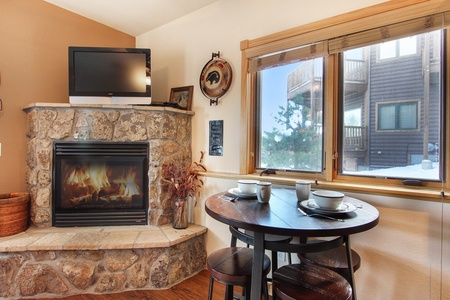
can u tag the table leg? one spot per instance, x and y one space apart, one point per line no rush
258 261
351 274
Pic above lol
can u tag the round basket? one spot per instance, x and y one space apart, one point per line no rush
14 209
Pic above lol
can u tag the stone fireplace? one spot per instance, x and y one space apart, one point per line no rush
47 261
166 130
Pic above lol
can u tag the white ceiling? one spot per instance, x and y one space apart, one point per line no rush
133 17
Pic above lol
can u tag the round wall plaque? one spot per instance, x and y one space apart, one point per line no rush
215 79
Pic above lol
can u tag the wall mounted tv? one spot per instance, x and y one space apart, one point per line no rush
109 75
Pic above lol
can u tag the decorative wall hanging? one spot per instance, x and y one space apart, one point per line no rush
215 79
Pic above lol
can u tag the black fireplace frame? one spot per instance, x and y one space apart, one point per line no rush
99 217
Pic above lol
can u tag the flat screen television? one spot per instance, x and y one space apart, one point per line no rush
109 75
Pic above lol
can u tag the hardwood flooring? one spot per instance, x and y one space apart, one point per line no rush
195 287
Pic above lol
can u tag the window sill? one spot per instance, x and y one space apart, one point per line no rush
413 192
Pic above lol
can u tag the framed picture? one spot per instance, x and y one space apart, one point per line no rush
182 96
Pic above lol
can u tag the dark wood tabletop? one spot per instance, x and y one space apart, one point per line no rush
280 216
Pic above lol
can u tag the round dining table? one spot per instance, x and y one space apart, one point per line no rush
285 215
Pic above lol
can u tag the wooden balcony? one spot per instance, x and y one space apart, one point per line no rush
309 75
355 138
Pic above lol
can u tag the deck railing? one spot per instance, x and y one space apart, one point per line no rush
355 137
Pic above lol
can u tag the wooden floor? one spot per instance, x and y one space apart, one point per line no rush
195 287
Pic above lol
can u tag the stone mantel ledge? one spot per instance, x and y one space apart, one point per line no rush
44 105
99 238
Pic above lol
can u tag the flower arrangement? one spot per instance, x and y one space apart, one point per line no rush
183 180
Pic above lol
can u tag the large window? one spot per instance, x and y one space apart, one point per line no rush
397 138
364 104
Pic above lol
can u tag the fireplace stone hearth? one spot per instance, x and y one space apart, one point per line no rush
58 262
167 131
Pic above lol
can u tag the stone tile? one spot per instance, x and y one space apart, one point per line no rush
52 241
118 240
19 242
138 228
64 229
197 229
176 236
84 241
151 239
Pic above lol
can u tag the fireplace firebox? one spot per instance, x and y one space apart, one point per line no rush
100 184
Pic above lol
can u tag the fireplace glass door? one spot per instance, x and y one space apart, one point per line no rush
100 184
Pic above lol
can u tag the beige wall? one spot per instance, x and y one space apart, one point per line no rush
407 256
34 37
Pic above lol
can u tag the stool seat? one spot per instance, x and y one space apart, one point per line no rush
233 266
334 259
309 282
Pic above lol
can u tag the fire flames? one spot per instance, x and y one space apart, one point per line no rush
91 185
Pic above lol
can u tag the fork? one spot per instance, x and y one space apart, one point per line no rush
320 216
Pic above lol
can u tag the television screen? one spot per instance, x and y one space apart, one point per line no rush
109 72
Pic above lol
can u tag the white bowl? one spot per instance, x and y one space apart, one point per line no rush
247 186
328 199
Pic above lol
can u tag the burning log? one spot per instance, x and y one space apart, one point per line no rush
108 190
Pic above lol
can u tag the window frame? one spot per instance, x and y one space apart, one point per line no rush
365 19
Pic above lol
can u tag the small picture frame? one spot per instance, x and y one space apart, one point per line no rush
182 96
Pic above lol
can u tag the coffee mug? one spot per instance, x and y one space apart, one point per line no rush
263 191
302 189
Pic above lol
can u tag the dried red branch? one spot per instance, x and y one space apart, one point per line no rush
183 180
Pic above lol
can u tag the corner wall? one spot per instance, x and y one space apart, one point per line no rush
34 37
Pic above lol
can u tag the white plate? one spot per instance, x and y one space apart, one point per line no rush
238 193
345 207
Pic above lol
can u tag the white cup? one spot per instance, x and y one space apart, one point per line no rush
247 186
263 191
302 189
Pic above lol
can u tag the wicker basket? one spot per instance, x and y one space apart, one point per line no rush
14 208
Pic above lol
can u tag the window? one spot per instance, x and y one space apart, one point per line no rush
290 120
350 105
397 48
397 116
393 138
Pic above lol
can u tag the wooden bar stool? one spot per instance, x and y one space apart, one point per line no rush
309 282
233 266
334 259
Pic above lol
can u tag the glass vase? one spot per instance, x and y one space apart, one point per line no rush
180 220
191 209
